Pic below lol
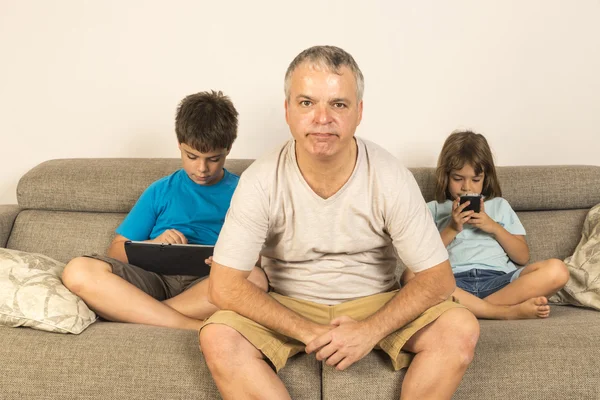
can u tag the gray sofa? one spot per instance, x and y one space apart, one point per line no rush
70 207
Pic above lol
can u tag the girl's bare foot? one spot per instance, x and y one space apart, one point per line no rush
536 307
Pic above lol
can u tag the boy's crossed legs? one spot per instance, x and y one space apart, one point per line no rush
525 297
125 293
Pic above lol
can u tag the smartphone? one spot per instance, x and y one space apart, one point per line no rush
475 200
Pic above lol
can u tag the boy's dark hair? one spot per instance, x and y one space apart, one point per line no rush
206 121
466 147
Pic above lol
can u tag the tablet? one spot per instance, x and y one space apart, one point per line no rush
169 259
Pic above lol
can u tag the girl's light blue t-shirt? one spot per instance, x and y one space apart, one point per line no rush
177 202
472 248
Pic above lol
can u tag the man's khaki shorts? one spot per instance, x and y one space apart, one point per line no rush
278 348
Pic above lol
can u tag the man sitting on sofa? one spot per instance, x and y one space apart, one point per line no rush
188 206
327 212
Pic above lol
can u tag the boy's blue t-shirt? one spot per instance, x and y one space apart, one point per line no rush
472 248
177 202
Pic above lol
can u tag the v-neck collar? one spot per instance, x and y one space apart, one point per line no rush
315 196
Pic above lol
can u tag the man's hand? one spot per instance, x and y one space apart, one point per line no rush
345 344
315 332
171 236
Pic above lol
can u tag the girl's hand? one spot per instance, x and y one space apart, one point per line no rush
208 261
483 221
459 217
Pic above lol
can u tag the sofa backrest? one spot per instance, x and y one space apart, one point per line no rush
73 206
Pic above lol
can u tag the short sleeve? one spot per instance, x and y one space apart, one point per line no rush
509 219
410 224
140 221
246 225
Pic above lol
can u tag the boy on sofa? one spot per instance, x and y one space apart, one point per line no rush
188 206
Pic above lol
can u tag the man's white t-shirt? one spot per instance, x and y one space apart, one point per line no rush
330 250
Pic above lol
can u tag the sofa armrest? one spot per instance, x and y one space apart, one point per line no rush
8 214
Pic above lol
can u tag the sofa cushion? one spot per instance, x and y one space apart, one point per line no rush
63 235
8 213
112 360
552 234
32 295
553 358
538 359
373 377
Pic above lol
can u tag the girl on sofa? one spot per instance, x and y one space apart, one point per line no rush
484 246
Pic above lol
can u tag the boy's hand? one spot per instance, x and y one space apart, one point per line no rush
171 236
459 217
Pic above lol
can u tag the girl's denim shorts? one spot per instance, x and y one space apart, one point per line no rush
483 282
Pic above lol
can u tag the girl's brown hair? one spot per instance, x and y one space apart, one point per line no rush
466 147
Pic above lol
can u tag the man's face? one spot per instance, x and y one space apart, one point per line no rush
203 168
322 110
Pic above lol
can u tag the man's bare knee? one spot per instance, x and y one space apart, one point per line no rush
458 333
221 345
79 271
465 333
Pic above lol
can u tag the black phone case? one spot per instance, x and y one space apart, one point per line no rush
475 203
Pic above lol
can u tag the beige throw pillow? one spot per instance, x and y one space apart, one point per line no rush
583 287
32 294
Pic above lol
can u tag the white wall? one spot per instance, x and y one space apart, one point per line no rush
103 78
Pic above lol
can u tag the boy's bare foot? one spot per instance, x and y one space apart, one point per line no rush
536 307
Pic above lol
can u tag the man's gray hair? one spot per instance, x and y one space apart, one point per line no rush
331 58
